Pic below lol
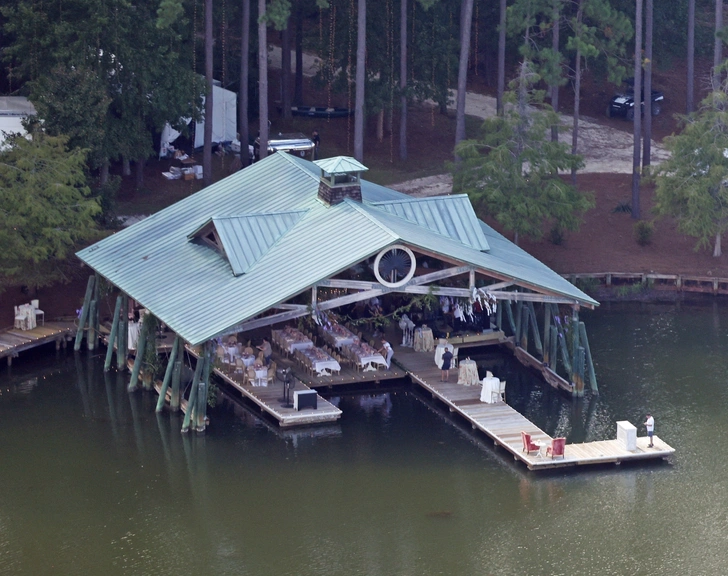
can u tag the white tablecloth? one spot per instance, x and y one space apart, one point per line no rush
468 373
440 350
291 343
248 360
230 353
424 341
261 377
490 394
339 336
322 366
25 317
366 362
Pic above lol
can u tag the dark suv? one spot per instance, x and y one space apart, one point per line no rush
623 104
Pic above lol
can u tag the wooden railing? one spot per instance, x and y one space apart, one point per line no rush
675 282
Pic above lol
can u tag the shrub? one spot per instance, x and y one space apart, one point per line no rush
643 232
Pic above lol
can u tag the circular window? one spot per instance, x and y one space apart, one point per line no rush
395 266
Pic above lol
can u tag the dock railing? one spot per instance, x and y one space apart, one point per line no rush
673 282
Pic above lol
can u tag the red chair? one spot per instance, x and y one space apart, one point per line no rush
556 448
528 446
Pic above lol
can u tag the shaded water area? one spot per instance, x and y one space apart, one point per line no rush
93 482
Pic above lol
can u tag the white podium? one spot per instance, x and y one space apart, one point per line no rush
627 435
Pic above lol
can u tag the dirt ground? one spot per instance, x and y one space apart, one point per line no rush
605 242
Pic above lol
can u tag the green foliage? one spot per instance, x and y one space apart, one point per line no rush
512 173
588 285
46 208
692 184
643 232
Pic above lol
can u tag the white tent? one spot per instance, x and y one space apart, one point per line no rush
224 121
13 110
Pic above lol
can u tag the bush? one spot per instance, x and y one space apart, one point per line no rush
643 232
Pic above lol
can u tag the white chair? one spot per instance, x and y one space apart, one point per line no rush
454 363
500 394
38 312
20 319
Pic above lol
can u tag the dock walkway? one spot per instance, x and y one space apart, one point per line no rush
504 425
13 341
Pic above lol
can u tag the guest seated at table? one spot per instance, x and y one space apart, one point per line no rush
267 351
386 351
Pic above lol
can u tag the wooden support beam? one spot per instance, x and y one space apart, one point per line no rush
589 362
509 313
553 345
168 374
113 335
174 402
84 313
191 402
499 316
291 306
201 410
546 334
524 325
122 346
416 281
534 328
91 333
519 324
138 360
531 297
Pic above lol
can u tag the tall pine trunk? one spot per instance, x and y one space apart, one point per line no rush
244 86
500 90
717 251
466 21
690 96
207 146
554 88
577 91
298 83
262 80
647 142
361 50
286 70
718 44
403 80
637 126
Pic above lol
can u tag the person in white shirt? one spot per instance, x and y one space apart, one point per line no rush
650 425
386 351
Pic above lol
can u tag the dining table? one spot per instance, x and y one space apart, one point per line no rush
490 393
366 356
424 340
440 350
468 373
320 361
291 339
261 375
337 335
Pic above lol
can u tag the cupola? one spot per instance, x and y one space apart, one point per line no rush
340 179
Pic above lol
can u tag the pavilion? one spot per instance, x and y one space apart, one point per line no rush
278 240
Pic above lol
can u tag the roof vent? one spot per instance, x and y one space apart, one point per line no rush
340 179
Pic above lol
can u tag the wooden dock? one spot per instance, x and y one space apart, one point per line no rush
504 425
14 341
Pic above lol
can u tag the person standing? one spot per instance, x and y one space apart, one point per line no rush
446 361
650 425
386 351
267 351
316 141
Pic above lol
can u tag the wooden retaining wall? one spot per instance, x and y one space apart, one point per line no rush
673 282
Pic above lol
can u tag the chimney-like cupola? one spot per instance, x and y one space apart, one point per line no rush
340 179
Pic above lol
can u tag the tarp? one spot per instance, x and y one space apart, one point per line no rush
224 121
13 110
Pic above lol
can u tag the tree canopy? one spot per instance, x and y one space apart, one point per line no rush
692 184
46 208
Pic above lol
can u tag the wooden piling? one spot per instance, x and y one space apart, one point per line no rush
589 361
534 328
546 334
519 323
192 401
113 335
499 316
174 401
91 332
168 374
509 313
554 343
84 313
138 360
201 409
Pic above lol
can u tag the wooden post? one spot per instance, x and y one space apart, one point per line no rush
168 374
91 333
84 313
534 328
176 375
122 340
546 334
193 396
499 315
589 361
113 335
579 372
519 323
523 313
575 340
201 410
141 345
553 358
509 313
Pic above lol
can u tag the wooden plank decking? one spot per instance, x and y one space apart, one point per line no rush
13 341
504 425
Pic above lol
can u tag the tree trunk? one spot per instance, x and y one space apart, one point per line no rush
380 126
243 96
717 252
647 142
554 88
262 81
501 58
361 50
139 171
577 92
690 96
286 70
298 89
718 44
466 22
104 172
207 147
637 126
403 80
125 167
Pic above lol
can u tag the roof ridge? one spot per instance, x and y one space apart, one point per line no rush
361 208
423 199
293 161
251 214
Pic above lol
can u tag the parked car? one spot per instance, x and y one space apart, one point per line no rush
623 104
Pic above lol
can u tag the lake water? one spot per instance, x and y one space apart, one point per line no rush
93 482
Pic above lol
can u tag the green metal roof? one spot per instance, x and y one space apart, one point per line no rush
340 165
279 239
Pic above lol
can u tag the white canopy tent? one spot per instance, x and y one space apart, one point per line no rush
13 110
224 121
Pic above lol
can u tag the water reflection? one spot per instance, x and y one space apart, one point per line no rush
94 482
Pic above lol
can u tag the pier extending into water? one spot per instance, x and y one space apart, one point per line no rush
13 341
